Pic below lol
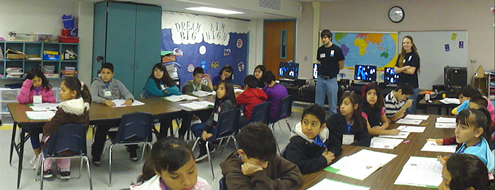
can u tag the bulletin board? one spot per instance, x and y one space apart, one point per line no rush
436 50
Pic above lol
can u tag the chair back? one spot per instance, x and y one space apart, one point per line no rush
261 113
284 109
135 127
226 124
68 137
222 184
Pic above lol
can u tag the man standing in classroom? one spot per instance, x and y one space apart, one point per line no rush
331 60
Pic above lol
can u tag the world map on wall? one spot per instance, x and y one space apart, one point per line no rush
367 48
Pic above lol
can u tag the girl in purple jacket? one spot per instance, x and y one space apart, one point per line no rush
275 93
35 89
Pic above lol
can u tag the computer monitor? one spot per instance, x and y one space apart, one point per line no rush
315 70
365 72
288 70
389 75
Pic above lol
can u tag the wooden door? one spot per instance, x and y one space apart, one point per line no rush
278 43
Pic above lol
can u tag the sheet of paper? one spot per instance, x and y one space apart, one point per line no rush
120 103
420 171
201 93
420 117
326 183
40 115
238 90
384 143
44 107
445 125
197 105
432 146
361 164
412 129
446 119
450 101
176 98
409 121
401 135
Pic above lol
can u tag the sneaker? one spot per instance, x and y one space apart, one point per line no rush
47 174
132 154
35 162
64 175
96 161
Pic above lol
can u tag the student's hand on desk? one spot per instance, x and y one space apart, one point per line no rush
329 156
441 159
393 131
128 102
249 169
439 141
109 103
205 136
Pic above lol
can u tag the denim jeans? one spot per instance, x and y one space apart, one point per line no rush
328 87
413 97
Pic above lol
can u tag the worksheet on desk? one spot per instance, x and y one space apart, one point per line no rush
421 171
432 146
401 135
446 120
197 105
120 103
177 98
420 117
445 125
40 115
326 183
409 121
384 143
361 164
412 129
201 93
44 107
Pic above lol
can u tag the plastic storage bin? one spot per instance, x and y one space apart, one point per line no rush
8 94
7 119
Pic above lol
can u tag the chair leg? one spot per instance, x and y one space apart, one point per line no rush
195 143
144 149
89 173
110 166
235 143
288 125
80 168
41 174
209 159
38 166
225 145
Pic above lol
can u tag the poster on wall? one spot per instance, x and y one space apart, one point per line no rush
204 40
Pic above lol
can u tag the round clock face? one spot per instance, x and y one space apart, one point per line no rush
396 14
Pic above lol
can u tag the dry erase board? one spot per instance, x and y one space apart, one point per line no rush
436 50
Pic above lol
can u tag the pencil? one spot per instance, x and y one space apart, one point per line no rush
436 140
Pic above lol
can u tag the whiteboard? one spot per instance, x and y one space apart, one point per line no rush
433 54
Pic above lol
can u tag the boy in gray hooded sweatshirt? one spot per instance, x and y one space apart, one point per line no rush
311 145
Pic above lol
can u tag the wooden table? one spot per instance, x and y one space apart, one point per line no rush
439 105
385 177
98 114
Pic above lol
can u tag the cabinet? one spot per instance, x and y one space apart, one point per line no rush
128 36
7 96
36 48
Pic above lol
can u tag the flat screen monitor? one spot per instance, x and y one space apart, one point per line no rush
365 72
288 70
389 75
315 70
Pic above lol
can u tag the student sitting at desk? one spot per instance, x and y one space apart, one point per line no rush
256 164
35 89
160 84
251 97
259 73
465 171
196 84
395 102
373 108
275 93
465 95
103 91
227 73
348 125
74 108
472 133
311 145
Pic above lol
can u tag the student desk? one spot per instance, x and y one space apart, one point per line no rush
385 177
439 105
98 114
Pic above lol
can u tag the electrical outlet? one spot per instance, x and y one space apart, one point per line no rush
473 60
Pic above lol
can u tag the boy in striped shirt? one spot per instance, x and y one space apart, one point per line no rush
395 101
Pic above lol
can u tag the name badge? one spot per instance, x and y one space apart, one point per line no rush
163 86
347 139
322 55
410 57
332 52
37 99
107 93
215 117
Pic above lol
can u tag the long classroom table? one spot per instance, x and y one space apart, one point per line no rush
385 177
98 114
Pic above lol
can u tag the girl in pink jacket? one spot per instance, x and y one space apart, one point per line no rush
35 89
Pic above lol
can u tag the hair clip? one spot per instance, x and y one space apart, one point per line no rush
363 91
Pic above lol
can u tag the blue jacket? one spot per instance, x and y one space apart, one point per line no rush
151 90
482 151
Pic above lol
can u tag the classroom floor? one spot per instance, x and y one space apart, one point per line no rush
124 171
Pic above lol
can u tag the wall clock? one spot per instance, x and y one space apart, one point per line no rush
396 14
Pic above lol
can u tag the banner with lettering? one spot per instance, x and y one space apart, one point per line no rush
208 42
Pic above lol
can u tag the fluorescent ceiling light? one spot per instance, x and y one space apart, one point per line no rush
214 10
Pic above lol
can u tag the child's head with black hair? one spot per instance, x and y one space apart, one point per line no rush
326 33
72 88
38 78
257 144
468 92
106 72
478 102
198 74
227 71
225 91
269 77
373 97
465 171
349 107
171 159
250 81
160 74
259 72
313 121
471 127
403 91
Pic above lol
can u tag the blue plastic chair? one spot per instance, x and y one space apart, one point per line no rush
284 111
69 139
226 128
134 128
261 113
